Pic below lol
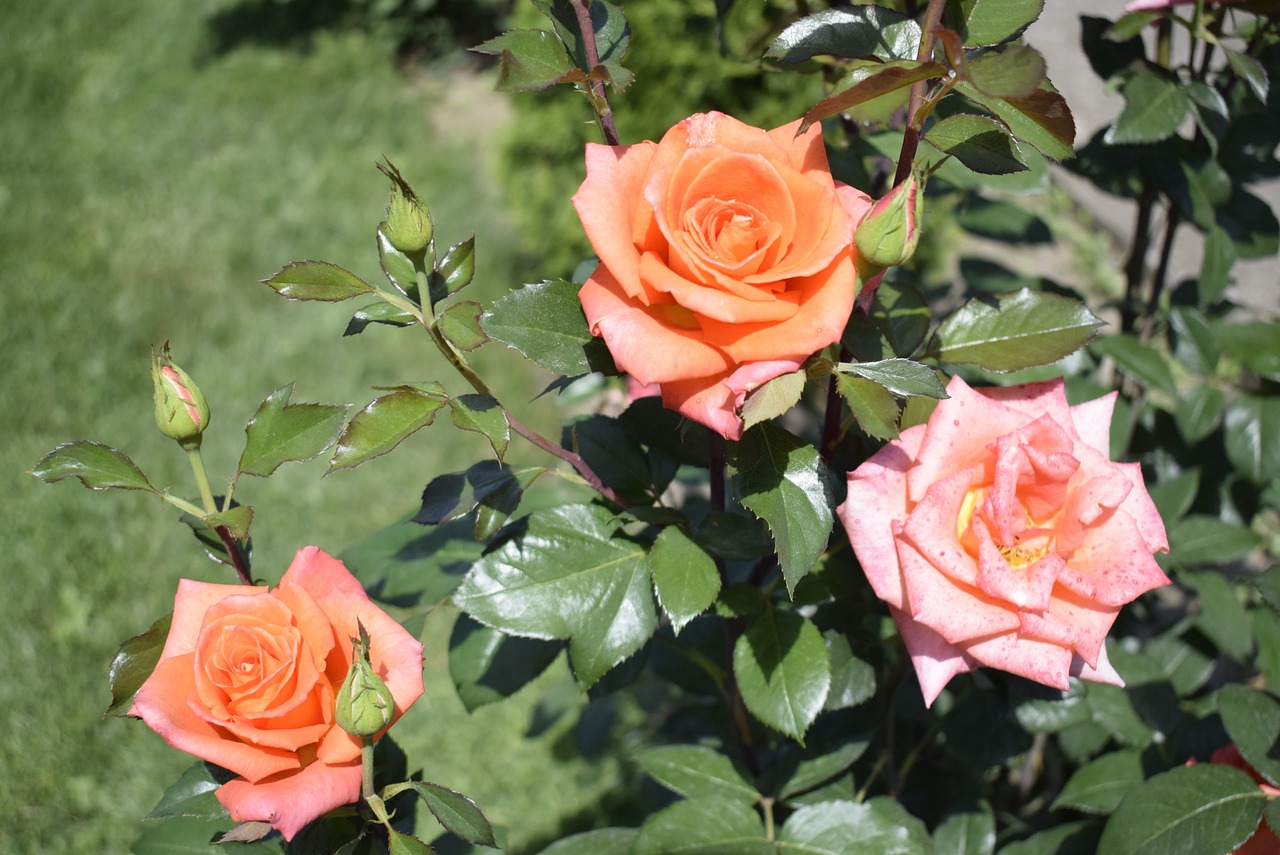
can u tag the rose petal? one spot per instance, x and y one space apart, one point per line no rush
641 344
606 204
935 660
291 800
877 496
163 703
1041 661
1113 565
1092 421
713 302
932 599
189 606
931 525
1103 672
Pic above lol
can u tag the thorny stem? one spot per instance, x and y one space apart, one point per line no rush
1161 275
831 417
1135 264
911 134
224 534
599 100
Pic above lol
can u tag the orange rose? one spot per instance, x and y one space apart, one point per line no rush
1001 534
247 681
726 259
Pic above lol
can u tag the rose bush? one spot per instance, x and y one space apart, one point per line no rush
1001 534
247 681
726 259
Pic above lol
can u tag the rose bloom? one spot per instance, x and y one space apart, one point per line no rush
1263 841
726 259
247 681
1001 534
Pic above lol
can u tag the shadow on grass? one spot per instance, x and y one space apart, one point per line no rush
414 30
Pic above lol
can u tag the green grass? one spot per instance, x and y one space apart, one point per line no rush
146 183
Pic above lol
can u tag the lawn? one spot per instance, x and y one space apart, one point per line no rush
150 175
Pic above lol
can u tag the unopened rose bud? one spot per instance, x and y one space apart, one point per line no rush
408 224
181 410
364 704
890 230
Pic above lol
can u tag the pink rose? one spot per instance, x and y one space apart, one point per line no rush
247 681
726 259
1001 534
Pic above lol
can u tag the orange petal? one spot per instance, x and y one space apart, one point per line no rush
289 801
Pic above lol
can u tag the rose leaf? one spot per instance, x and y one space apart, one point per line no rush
782 670
386 422
703 825
281 432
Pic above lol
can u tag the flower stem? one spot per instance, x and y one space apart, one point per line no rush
366 761
911 134
599 100
202 480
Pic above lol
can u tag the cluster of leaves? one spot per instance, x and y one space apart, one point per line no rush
710 578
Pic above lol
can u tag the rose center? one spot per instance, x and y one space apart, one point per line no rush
729 233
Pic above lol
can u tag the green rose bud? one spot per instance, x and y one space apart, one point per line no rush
890 230
364 704
408 224
181 410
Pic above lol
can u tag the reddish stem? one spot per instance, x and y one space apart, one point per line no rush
911 134
603 116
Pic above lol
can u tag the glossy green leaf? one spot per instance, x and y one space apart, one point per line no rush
1221 616
527 59
487 666
1154 107
902 377
853 681
703 827
1043 119
1100 785
317 280
601 841
483 415
1003 221
1112 709
458 814
1173 496
1009 332
386 422
236 521
783 481
1195 345
405 844
489 487
616 457
1250 71
192 794
1250 223
972 832
460 325
133 664
1186 667
880 826
734 537
1013 72
684 577
378 313
282 431
1252 720
567 576
97 466
399 268
994 21
1137 359
698 772
781 666
1199 412
872 83
1071 838
872 405
545 322
902 314
191 836
1189 810
1215 266
1200 539
774 398
979 142
848 32
1053 716
458 266
815 766
1255 344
